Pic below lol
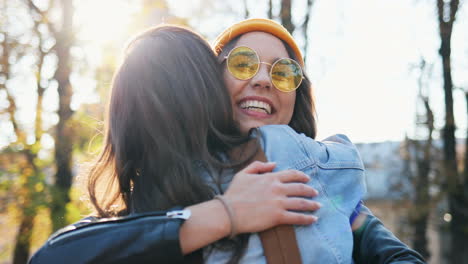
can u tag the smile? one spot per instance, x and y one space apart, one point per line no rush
257 106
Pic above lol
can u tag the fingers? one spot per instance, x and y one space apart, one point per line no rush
258 167
301 204
299 189
292 218
292 176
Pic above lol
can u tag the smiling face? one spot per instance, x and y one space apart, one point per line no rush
256 102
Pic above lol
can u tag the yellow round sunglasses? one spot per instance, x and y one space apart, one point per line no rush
243 63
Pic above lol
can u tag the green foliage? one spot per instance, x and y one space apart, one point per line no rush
78 207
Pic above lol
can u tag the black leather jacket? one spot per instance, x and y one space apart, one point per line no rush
373 243
138 238
154 238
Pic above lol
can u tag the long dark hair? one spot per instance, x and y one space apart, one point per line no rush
168 108
304 118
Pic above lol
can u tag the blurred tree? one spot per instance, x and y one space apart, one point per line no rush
34 49
270 9
27 167
305 27
421 154
246 10
63 131
156 12
457 183
285 15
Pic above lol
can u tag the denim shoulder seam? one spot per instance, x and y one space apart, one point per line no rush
341 165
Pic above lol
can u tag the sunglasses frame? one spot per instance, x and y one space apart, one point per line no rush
269 64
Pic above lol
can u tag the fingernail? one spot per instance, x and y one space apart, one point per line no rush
315 218
319 205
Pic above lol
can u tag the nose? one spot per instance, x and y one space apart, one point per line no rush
262 78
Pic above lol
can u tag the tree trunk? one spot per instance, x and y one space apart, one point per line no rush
465 167
246 10
422 199
23 238
305 27
270 9
63 137
26 208
458 204
422 202
285 15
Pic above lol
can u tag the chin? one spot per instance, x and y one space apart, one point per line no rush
246 129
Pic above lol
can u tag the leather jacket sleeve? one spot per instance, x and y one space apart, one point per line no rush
374 243
139 238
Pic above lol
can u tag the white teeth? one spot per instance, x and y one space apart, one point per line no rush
255 105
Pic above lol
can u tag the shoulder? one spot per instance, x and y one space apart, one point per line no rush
283 136
269 131
340 150
284 146
339 139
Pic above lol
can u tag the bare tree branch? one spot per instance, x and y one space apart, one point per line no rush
6 72
43 14
246 10
305 27
457 198
270 9
285 15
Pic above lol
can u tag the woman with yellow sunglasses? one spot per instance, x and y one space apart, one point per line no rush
263 71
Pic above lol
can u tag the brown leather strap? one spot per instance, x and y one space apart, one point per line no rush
279 243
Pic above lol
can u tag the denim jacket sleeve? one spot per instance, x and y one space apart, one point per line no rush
139 238
374 243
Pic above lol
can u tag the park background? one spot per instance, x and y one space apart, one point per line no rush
392 75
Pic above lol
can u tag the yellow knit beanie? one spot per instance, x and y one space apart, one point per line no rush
257 24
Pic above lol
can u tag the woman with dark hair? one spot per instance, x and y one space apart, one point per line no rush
169 132
265 42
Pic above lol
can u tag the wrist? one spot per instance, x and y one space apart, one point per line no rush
212 214
221 218
230 213
360 224
207 224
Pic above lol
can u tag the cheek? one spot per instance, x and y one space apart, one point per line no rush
228 80
233 85
287 104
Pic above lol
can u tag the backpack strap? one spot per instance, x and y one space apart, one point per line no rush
279 243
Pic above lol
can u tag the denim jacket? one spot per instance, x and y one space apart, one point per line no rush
336 172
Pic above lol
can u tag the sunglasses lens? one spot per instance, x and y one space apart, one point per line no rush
286 75
243 63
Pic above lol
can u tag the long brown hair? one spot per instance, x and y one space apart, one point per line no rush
304 118
168 108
